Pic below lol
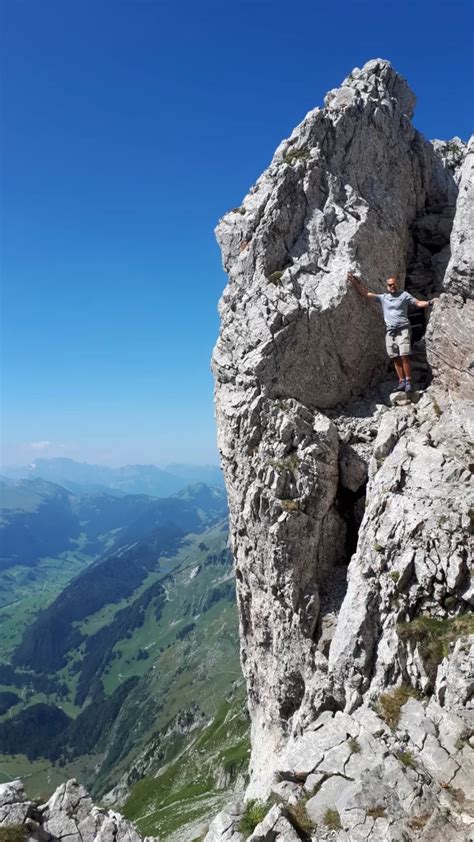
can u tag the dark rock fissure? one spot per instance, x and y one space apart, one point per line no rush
350 505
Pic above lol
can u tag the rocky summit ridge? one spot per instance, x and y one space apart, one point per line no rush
352 518
69 814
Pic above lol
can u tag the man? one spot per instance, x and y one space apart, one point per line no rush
395 307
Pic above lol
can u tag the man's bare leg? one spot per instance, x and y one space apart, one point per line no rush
407 371
399 368
406 367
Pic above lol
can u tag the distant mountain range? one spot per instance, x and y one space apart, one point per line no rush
39 518
81 477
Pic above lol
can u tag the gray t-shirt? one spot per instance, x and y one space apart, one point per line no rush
395 308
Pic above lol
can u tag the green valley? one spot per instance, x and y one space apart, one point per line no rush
123 670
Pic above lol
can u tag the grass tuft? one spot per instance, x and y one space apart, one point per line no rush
354 745
275 277
406 758
390 704
377 812
255 811
433 637
300 816
14 833
292 157
332 819
287 463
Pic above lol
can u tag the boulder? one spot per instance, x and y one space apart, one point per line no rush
275 827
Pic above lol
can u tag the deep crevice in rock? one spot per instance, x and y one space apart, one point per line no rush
350 505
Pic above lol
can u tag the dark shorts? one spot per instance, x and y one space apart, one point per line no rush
398 344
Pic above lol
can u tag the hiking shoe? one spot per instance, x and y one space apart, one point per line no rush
408 387
401 386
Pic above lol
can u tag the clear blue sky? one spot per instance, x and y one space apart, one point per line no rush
130 128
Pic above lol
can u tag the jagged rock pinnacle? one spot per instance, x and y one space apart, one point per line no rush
302 412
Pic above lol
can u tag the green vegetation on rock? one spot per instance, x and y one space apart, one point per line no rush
300 817
290 505
295 155
433 637
254 813
354 745
378 812
14 833
406 758
275 277
332 819
288 463
390 704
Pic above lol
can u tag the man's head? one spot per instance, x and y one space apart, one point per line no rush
392 286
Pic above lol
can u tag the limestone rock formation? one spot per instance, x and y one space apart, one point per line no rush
322 473
460 270
69 813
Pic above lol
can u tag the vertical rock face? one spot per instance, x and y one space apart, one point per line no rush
415 550
340 193
303 420
459 277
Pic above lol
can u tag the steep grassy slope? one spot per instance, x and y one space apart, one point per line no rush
192 658
195 784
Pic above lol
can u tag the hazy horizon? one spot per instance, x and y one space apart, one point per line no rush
163 465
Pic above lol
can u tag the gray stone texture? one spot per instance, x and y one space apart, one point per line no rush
275 826
459 277
225 826
70 813
321 464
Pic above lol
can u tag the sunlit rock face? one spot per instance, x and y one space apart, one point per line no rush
340 193
321 471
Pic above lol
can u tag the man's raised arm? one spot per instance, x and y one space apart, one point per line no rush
359 286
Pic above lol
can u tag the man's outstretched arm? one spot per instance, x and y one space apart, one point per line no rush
359 286
419 303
